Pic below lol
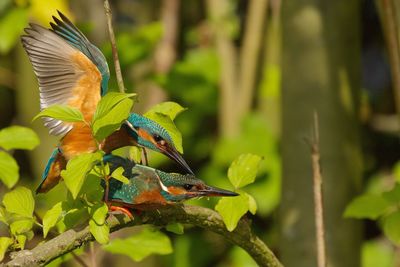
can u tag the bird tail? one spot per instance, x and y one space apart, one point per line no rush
52 173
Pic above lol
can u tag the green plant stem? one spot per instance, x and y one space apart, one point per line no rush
198 216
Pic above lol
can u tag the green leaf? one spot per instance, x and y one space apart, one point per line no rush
21 239
92 188
51 217
12 24
252 204
171 109
367 206
74 217
393 195
61 112
396 172
111 121
135 154
9 169
176 228
99 213
243 170
232 209
19 201
118 174
5 242
4 215
166 122
140 246
377 253
100 232
391 227
77 169
108 102
21 226
18 137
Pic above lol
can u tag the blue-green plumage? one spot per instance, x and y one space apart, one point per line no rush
151 186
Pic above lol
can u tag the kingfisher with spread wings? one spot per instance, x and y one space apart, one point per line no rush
72 71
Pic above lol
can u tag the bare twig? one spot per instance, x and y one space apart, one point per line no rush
318 206
117 66
198 216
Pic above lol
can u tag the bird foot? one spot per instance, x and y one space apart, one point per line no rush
122 210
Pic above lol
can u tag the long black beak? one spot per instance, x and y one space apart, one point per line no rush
173 154
210 191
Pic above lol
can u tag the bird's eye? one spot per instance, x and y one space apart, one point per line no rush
187 186
159 139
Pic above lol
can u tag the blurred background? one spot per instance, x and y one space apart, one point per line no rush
251 74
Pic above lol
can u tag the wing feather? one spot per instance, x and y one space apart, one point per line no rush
64 74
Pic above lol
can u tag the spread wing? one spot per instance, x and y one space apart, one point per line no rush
66 76
67 30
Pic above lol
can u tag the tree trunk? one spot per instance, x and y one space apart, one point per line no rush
321 72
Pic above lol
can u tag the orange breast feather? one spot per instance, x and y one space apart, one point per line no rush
85 97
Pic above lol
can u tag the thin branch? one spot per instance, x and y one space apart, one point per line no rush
317 184
198 216
117 66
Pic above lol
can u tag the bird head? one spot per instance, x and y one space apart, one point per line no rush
177 187
149 134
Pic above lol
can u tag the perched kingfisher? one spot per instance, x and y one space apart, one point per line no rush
72 71
148 186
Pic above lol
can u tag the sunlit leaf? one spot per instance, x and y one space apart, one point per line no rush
118 174
5 242
61 112
9 169
110 122
135 154
99 213
18 137
100 232
166 122
77 169
176 228
232 209
377 253
108 102
140 246
243 170
252 204
19 201
51 217
21 226
367 206
391 227
171 109
21 239
12 24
